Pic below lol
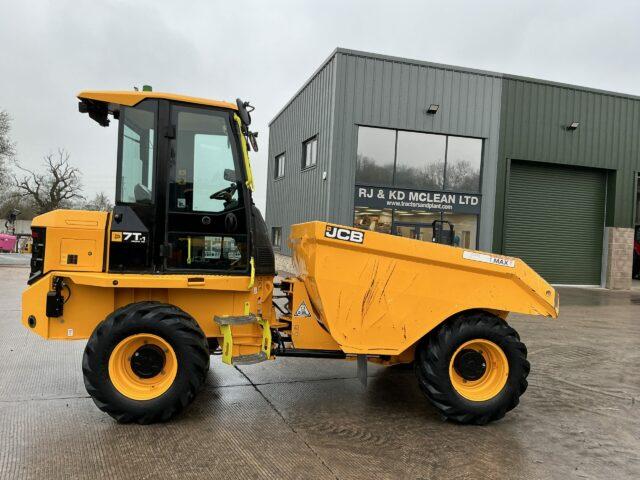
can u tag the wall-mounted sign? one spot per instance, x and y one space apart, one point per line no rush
428 201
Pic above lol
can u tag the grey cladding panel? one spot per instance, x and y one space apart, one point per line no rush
302 194
536 114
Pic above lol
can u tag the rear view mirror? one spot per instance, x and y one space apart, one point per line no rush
253 141
229 175
243 111
97 111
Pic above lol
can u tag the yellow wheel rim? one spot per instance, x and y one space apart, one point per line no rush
491 381
143 366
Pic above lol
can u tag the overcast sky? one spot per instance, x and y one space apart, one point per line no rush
264 50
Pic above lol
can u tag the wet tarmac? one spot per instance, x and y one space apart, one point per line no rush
301 418
14 259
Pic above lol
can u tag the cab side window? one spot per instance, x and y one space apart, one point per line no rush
202 164
136 156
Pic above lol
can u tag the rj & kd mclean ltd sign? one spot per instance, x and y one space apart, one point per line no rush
430 201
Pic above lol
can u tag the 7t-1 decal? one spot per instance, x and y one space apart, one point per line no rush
128 237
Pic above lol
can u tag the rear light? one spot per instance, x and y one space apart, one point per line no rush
38 234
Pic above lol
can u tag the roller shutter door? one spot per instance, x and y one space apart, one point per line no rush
554 220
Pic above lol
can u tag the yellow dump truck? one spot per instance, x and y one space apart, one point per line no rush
183 268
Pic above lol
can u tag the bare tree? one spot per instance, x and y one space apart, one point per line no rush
462 176
100 202
55 187
7 148
7 152
13 202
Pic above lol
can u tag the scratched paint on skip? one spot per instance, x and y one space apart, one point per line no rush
369 293
376 300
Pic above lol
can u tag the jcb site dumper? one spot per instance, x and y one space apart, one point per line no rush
183 268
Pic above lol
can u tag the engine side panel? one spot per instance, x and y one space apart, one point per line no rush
75 240
89 298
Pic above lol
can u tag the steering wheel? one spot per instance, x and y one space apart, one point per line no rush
226 194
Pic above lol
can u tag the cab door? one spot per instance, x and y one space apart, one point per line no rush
134 225
207 221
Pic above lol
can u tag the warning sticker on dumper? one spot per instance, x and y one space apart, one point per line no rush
486 258
303 311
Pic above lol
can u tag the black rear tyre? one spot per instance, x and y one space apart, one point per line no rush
141 347
473 368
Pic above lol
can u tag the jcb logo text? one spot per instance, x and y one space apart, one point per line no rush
345 234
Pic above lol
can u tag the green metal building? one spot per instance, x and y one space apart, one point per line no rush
544 171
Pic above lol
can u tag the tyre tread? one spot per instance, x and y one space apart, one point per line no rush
185 329
431 366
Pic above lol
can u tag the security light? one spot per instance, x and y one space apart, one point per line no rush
433 109
573 125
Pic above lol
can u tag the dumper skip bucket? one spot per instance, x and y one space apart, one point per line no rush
379 294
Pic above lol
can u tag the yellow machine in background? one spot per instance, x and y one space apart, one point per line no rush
183 268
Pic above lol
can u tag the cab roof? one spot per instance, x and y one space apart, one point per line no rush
132 98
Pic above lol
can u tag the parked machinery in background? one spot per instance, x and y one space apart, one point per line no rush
8 238
443 232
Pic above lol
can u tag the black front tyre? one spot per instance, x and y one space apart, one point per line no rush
473 368
145 362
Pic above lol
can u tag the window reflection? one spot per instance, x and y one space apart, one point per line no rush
276 236
279 167
375 157
463 164
202 162
420 160
310 155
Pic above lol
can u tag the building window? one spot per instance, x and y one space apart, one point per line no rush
373 219
276 236
420 160
464 156
465 229
414 224
279 166
309 152
414 160
419 225
376 155
439 174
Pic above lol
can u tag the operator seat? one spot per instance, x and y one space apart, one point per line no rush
141 193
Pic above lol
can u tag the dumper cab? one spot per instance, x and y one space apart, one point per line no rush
183 187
